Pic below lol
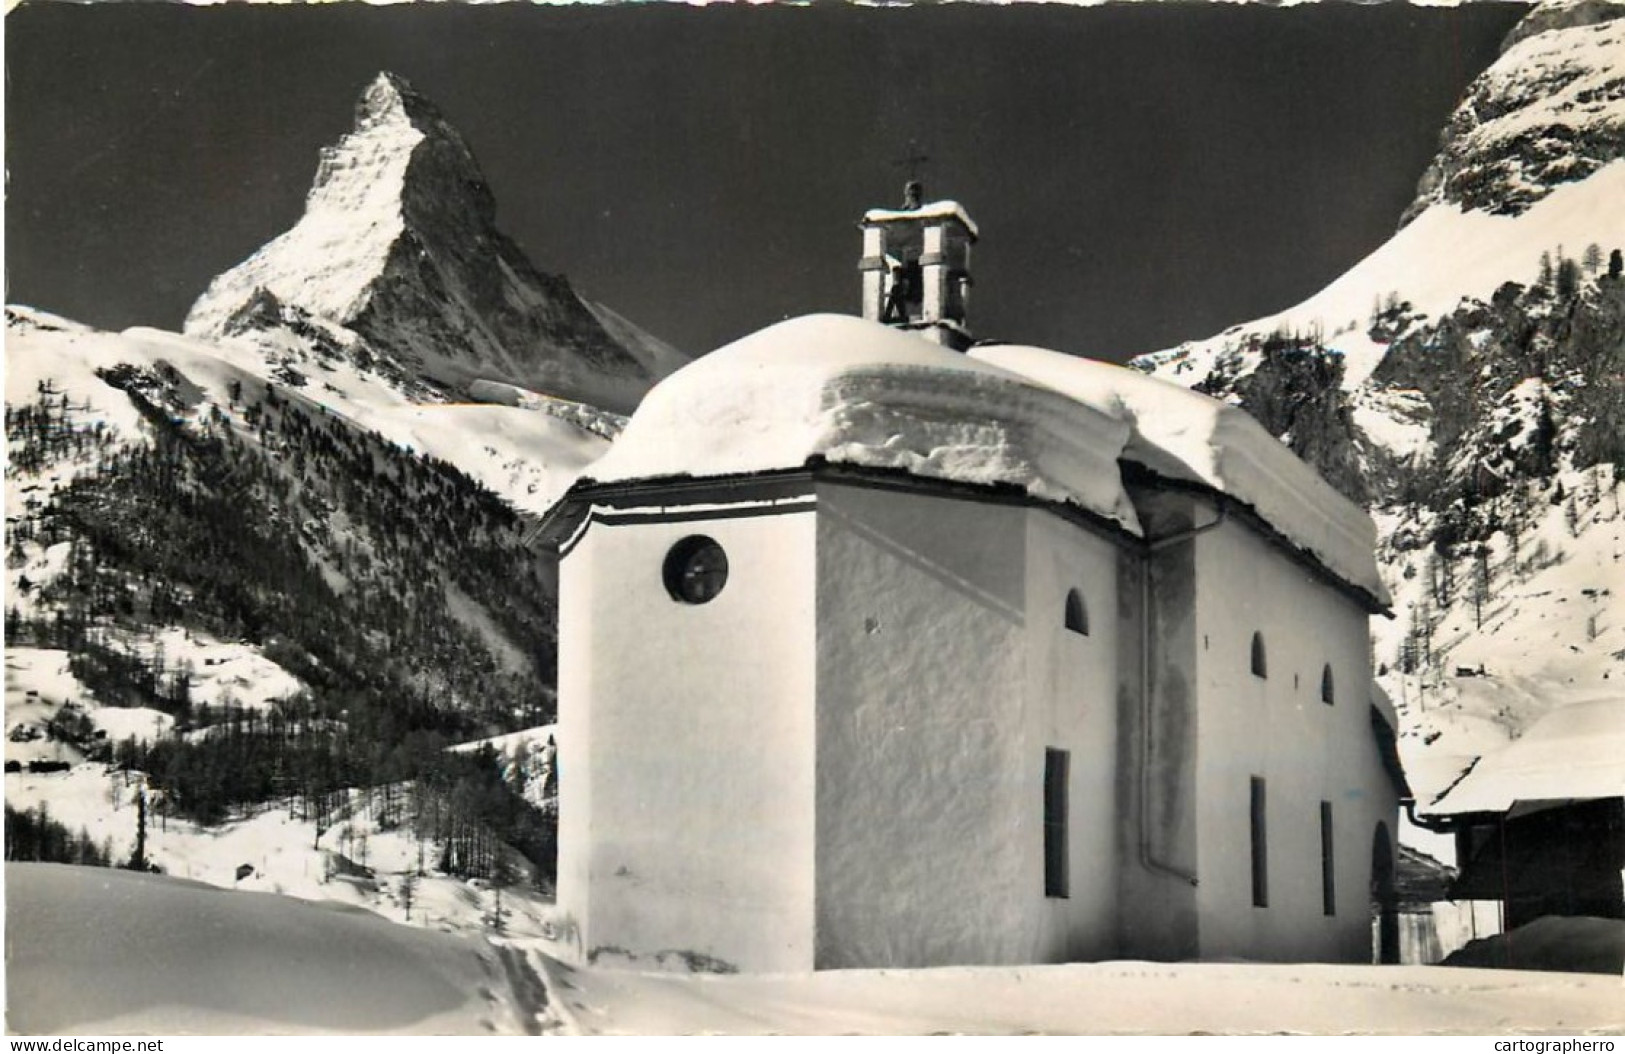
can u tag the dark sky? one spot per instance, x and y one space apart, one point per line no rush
1141 173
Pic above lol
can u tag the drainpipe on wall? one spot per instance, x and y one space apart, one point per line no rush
1148 859
1436 824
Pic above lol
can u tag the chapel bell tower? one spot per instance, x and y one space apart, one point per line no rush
916 267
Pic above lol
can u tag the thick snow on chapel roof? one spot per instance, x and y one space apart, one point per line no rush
859 393
1184 435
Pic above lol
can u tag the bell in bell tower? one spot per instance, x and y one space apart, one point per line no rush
916 267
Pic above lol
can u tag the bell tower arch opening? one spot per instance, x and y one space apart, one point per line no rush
916 267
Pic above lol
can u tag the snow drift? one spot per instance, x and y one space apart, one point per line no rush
1583 945
94 950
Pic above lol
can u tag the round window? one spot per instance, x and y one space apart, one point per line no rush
696 570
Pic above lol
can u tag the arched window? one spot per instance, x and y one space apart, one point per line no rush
1328 694
1077 616
1260 667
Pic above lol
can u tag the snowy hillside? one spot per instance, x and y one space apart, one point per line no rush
529 761
1463 380
1550 111
528 458
87 410
1532 162
1521 625
397 254
1443 256
360 855
361 849
74 931
235 593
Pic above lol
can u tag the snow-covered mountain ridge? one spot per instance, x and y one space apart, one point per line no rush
398 245
280 556
157 480
233 599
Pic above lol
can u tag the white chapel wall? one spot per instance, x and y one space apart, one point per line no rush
928 784
1073 695
1277 727
945 672
839 761
686 732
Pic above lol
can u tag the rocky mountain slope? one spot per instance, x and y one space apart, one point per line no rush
236 594
398 251
1550 111
1465 381
280 557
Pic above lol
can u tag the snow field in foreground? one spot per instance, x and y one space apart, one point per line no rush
164 955
94 950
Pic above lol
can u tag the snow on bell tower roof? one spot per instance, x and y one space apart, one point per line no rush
934 210
857 393
915 267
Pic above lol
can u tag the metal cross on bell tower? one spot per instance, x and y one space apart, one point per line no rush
912 162
913 190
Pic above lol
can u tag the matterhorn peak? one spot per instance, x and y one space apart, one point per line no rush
398 243
390 100
389 97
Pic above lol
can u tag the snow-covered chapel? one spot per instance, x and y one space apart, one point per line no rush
878 652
